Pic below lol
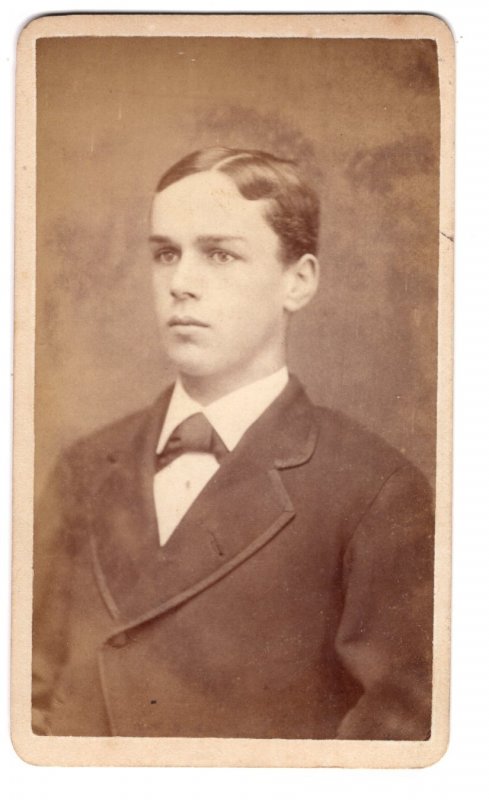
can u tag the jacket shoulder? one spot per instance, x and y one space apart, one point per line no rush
356 472
357 450
107 442
112 435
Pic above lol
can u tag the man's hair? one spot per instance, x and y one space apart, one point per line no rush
293 210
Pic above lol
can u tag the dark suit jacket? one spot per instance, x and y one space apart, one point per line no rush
294 599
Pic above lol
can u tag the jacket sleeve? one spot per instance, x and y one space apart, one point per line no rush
51 591
385 636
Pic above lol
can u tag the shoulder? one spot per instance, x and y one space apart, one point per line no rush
350 440
129 433
354 475
359 461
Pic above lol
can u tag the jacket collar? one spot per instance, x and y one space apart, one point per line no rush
138 578
231 415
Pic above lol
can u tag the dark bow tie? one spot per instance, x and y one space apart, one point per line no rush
193 435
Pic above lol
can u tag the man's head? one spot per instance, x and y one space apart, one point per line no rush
234 240
293 207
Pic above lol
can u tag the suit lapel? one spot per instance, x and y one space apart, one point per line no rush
241 508
124 529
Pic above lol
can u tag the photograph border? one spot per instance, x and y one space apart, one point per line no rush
125 751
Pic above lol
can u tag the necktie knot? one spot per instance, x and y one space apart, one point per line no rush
193 435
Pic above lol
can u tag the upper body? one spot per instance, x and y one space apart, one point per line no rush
294 597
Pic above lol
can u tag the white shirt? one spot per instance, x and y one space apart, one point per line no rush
177 485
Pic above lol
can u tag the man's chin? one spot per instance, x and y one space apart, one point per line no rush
186 357
191 367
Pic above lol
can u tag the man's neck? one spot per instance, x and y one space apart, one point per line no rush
205 390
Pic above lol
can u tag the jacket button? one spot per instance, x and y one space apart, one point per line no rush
119 640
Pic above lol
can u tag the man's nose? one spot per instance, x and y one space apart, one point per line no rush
186 280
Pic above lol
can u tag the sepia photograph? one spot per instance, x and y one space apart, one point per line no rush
235 401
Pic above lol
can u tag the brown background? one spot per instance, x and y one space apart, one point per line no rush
362 115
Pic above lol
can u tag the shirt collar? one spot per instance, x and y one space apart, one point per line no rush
232 414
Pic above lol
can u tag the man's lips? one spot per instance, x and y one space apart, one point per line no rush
186 321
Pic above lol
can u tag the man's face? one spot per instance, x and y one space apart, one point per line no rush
218 280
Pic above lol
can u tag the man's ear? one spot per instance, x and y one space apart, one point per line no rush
301 282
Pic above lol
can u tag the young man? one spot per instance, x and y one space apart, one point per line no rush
233 561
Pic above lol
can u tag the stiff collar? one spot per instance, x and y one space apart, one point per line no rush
231 415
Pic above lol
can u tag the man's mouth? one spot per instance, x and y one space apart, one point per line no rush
185 321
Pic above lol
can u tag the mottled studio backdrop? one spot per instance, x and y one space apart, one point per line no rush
361 115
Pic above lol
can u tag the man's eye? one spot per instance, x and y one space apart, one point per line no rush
166 256
221 256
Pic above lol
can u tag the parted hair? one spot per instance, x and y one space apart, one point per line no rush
293 210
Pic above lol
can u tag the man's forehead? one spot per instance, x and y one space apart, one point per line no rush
210 181
208 202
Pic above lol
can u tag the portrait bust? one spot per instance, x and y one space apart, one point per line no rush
233 560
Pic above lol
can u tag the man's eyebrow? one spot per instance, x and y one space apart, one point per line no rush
218 239
202 240
161 240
